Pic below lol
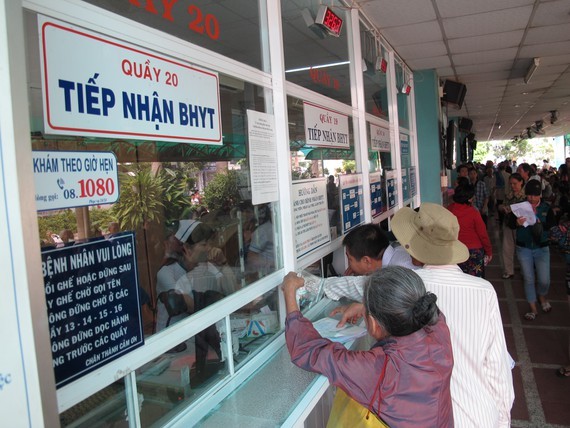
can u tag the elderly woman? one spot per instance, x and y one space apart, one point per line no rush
404 379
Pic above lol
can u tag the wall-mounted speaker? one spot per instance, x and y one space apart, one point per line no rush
465 124
454 92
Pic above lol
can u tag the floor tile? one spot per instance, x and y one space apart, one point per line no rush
547 346
519 410
555 396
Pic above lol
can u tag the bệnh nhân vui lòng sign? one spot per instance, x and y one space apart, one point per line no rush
98 86
93 304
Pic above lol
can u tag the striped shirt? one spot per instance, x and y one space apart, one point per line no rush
481 383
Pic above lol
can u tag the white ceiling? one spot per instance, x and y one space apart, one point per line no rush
488 45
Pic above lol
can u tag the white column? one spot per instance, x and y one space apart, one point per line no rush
27 387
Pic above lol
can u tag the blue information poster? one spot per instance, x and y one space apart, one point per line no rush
405 185
391 190
351 200
405 154
93 303
376 194
412 180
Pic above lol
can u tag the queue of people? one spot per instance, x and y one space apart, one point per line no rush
480 386
447 249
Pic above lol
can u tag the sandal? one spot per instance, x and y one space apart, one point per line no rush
563 372
530 316
507 276
546 307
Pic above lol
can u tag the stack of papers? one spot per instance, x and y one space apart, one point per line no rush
327 327
524 209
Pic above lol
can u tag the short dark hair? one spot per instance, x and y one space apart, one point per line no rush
533 187
463 193
462 166
517 177
462 181
525 167
366 240
397 298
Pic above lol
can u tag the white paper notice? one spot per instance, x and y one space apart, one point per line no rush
310 215
262 157
524 209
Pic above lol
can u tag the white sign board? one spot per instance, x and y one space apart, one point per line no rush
262 157
310 212
324 127
75 179
97 86
379 138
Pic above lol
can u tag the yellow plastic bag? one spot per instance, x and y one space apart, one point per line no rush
347 412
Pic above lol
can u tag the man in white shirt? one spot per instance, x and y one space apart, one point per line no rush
481 383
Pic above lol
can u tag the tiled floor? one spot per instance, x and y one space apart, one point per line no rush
539 347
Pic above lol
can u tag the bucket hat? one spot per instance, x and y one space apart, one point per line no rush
430 235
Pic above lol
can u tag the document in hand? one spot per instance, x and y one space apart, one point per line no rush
524 209
327 327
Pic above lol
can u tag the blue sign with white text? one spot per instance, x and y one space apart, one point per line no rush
352 213
93 304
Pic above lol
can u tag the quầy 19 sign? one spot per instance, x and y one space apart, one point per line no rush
97 86
74 179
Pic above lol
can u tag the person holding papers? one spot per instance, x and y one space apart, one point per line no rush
405 378
532 220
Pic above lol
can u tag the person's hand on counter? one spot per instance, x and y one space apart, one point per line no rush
291 283
350 313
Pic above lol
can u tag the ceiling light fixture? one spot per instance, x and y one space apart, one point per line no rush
531 70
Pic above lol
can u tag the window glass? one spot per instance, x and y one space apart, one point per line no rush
106 408
180 376
375 64
403 82
228 27
254 326
329 158
315 59
194 236
379 162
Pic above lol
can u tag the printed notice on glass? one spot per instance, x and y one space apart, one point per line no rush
405 154
324 127
94 309
379 138
262 157
391 190
376 194
413 184
94 85
310 212
405 185
75 179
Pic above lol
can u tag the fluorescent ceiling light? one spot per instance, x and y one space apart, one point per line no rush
334 64
531 70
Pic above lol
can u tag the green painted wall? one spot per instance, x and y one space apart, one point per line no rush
426 89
